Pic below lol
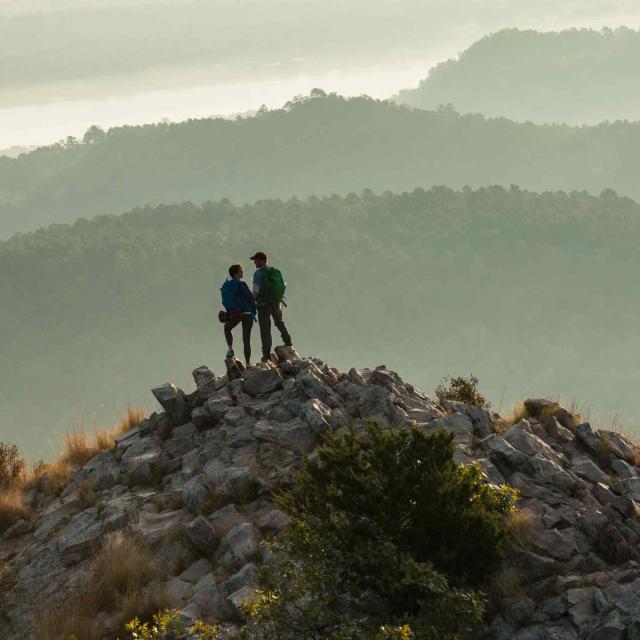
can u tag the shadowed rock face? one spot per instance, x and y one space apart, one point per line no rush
195 481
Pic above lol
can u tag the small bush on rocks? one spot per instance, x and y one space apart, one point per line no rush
389 539
12 508
168 625
12 466
461 389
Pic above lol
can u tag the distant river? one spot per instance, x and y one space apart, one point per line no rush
48 122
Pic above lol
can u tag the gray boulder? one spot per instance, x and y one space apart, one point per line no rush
235 368
238 484
261 379
157 526
542 409
294 435
502 454
588 470
459 424
482 419
238 546
173 402
286 354
80 537
317 415
201 535
196 495
206 382
375 403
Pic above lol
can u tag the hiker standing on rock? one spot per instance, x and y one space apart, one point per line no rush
268 288
240 307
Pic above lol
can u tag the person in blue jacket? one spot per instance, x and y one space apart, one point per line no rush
240 304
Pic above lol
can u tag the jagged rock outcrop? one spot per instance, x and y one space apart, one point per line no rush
195 481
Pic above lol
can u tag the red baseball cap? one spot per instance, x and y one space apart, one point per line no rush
259 254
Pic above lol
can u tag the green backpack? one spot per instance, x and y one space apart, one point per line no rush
272 286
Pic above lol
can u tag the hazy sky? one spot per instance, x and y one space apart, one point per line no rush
67 64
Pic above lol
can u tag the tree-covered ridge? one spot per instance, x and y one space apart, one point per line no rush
319 145
575 76
507 284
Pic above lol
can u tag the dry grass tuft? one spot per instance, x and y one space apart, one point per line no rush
104 440
132 419
75 617
50 478
520 526
117 587
518 412
12 508
506 583
77 450
125 565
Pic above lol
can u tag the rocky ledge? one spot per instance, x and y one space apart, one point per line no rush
195 481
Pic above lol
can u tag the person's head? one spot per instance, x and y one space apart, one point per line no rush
259 259
236 271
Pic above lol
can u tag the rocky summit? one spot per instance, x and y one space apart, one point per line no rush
196 480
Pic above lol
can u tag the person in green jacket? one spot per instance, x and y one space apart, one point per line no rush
267 309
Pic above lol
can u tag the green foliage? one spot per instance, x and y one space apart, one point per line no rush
12 466
168 625
461 389
389 538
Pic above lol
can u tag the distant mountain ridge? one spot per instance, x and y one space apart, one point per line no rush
318 145
578 76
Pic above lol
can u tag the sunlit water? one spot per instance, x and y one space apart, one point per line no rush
51 121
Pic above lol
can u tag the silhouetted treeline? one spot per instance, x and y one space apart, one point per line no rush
322 144
575 76
535 292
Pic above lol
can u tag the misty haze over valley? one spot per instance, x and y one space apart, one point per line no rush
68 65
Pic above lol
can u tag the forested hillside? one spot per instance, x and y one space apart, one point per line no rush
576 76
319 145
539 289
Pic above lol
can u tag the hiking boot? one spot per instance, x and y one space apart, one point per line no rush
230 353
268 358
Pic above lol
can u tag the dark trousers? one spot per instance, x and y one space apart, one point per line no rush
247 325
265 313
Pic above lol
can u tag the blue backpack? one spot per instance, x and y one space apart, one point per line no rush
229 292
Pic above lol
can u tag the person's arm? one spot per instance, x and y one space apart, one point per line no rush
257 277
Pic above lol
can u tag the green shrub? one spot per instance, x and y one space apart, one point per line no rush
461 389
389 539
168 625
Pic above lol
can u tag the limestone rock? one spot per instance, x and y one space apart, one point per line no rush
542 408
235 368
196 494
238 546
81 536
261 379
239 484
201 535
206 382
286 354
459 424
172 401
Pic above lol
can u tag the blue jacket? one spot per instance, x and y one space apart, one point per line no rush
243 298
